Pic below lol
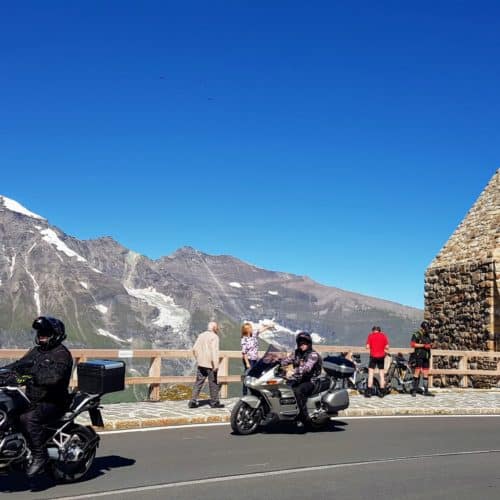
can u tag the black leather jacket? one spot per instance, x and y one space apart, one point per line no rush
50 369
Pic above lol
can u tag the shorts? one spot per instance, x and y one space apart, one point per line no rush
422 363
376 363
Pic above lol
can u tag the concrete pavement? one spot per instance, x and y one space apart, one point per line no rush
169 413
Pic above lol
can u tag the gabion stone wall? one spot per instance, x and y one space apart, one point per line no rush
458 303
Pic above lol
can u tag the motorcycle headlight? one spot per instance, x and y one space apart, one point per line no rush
249 380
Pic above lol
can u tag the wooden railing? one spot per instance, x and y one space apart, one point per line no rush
156 356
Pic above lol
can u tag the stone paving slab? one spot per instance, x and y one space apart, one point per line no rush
170 413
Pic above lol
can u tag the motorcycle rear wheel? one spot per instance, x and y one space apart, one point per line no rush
245 419
70 472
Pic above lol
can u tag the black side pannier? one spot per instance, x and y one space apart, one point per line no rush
101 376
338 366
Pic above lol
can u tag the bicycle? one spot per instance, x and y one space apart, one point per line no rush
359 379
399 375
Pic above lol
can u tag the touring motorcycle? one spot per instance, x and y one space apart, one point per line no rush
71 447
271 398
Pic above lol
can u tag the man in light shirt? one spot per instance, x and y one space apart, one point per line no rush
206 353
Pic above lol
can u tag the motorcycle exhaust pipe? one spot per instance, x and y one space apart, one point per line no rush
53 453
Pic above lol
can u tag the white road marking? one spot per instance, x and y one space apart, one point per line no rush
257 475
218 424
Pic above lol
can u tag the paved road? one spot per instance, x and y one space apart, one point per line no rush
400 458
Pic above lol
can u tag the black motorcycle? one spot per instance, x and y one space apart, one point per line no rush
71 447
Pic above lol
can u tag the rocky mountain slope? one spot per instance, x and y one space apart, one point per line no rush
110 296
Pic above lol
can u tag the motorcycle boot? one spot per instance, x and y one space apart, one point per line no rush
415 387
37 465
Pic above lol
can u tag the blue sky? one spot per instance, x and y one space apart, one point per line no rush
340 140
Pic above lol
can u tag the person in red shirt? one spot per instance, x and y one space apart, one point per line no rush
378 344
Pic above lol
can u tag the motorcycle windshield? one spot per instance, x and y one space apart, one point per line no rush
269 360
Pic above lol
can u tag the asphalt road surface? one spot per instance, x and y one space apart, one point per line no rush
381 458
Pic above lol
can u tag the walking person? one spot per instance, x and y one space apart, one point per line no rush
206 353
421 342
250 345
378 344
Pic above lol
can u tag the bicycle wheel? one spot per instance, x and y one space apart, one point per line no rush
362 383
407 382
392 384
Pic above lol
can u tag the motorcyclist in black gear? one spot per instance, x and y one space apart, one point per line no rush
48 366
307 366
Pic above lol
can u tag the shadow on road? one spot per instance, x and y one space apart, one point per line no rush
291 428
17 481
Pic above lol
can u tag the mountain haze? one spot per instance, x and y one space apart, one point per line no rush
110 296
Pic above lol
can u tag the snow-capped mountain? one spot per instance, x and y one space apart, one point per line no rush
110 296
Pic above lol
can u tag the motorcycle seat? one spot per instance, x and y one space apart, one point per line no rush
321 384
76 400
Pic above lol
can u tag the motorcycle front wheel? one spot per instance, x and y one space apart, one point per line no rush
245 419
65 471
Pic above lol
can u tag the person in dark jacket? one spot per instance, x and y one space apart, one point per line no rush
48 368
307 367
421 342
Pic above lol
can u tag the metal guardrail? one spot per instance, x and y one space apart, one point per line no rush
155 378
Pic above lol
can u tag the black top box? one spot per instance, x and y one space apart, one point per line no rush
101 376
338 366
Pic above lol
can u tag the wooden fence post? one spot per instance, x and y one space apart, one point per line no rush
74 373
155 371
224 372
431 366
463 365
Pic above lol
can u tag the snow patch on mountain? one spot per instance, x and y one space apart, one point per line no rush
36 293
281 336
101 308
12 265
272 292
170 314
85 285
51 237
105 333
15 206
235 284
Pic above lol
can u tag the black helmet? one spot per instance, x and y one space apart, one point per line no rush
304 338
45 326
425 325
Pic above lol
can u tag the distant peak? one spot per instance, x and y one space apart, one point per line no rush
15 206
187 250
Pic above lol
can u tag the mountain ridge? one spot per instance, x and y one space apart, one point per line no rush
111 296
